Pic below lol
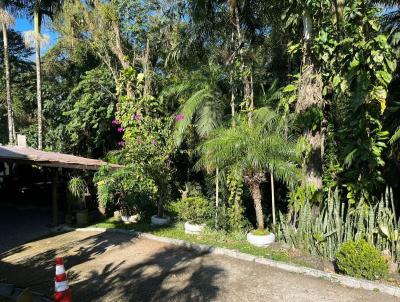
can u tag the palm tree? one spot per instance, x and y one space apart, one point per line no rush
38 9
203 102
7 20
203 106
252 150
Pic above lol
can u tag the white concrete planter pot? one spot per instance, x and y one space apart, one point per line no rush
193 228
261 240
134 218
117 215
125 219
159 221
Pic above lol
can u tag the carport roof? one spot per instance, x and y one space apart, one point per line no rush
50 159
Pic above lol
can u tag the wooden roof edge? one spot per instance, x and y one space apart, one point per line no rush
54 159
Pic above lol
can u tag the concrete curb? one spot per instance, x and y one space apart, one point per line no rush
340 279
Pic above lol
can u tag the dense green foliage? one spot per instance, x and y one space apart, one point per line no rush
361 259
128 189
251 100
197 209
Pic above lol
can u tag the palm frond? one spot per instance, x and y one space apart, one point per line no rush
252 150
396 136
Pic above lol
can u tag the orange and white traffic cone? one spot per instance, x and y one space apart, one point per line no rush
62 293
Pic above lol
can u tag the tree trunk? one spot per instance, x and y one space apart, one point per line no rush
161 199
309 95
147 71
255 191
37 25
11 134
10 120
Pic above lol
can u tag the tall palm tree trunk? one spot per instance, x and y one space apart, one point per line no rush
37 25
254 182
11 132
310 94
255 191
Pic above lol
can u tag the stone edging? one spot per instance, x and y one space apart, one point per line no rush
333 277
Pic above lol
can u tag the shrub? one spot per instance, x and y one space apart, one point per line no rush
195 210
361 259
129 189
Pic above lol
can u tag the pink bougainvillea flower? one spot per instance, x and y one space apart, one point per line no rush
179 117
137 117
115 122
120 129
154 142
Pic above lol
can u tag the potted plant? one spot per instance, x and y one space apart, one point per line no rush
260 237
162 184
78 188
195 211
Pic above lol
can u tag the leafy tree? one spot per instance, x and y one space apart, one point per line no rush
7 20
89 127
252 151
39 9
20 79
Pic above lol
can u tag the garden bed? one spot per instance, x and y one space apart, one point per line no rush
235 241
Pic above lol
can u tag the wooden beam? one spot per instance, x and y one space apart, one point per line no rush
54 193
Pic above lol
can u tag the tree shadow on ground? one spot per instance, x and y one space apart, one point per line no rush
173 274
170 274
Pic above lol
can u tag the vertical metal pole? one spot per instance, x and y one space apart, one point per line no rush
273 198
216 197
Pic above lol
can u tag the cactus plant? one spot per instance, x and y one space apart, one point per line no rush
338 222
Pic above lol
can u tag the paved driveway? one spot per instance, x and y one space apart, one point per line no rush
22 223
120 267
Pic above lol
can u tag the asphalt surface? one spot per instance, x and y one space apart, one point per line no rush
22 223
121 267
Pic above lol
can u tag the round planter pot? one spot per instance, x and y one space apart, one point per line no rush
117 215
159 221
134 218
261 240
125 219
193 228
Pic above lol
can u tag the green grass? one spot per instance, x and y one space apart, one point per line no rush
259 232
234 241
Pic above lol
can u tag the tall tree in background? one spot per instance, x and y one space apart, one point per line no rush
7 20
38 9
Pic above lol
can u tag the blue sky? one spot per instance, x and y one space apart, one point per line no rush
23 24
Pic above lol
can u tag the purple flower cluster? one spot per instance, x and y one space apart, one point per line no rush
115 122
120 129
154 142
121 143
179 117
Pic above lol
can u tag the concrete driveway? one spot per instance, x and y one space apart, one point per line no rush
22 223
120 267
